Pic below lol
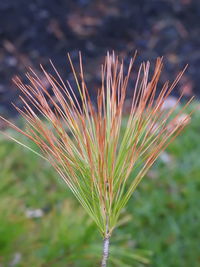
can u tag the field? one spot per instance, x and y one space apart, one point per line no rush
41 224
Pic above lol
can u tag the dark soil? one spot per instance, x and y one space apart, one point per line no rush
31 32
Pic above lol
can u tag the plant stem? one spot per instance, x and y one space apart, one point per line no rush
106 243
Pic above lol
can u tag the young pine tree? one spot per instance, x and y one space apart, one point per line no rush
85 143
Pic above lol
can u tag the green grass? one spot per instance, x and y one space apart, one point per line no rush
159 228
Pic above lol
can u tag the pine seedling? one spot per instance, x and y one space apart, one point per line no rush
85 142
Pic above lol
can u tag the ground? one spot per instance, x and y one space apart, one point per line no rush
31 32
43 225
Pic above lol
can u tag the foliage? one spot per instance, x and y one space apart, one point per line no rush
86 145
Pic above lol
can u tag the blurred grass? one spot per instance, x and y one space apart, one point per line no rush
160 226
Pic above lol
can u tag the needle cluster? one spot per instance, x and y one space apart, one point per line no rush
86 144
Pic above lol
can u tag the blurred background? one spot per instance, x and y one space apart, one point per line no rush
40 222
